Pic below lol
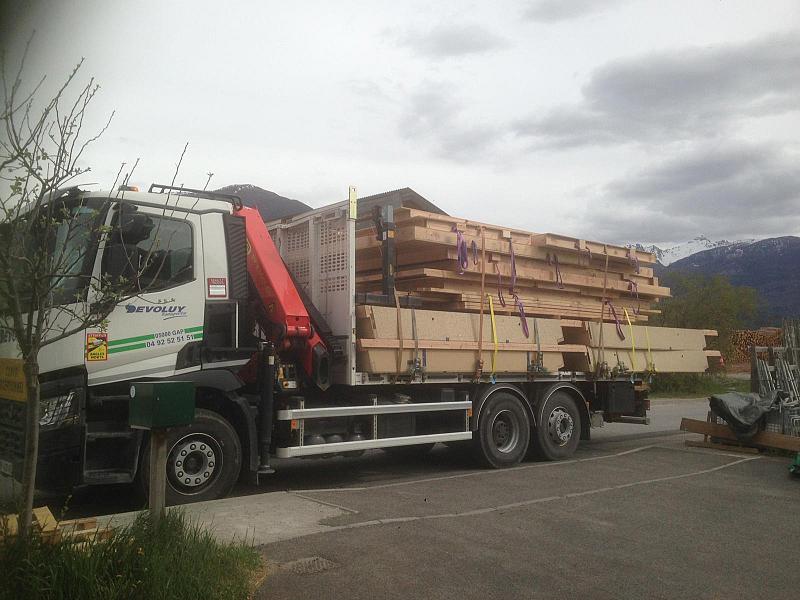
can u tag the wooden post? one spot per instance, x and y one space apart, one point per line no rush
158 474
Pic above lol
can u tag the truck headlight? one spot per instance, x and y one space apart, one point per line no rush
56 410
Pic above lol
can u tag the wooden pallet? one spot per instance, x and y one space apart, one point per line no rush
52 531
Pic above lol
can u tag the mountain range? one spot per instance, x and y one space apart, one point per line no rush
770 266
270 205
670 254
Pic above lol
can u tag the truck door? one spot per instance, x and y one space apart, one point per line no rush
162 254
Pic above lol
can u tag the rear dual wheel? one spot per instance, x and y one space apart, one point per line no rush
559 427
504 431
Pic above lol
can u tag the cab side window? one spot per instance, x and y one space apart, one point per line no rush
151 251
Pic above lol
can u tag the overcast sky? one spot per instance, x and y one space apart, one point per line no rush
623 121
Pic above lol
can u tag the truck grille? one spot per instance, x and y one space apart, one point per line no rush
12 429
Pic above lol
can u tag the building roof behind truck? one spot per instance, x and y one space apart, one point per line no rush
403 197
397 198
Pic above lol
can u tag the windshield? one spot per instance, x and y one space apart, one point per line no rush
74 248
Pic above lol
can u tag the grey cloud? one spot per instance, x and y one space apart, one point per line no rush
553 11
435 115
679 95
730 193
446 41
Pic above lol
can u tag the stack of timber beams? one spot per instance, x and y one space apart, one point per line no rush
566 287
556 276
446 342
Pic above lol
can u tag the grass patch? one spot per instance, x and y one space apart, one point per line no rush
178 559
694 385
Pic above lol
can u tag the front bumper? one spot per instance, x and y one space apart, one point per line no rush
59 465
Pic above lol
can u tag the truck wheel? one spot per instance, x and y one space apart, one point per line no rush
203 460
559 428
504 431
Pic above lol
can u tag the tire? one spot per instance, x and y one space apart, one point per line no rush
194 475
504 431
559 427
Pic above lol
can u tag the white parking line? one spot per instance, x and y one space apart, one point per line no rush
524 503
331 504
479 473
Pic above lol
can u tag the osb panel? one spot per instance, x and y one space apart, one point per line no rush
661 338
381 322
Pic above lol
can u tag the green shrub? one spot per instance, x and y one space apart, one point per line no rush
177 560
695 385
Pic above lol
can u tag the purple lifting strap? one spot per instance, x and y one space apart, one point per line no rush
587 249
512 289
474 247
616 320
633 258
499 286
522 318
553 260
461 251
633 288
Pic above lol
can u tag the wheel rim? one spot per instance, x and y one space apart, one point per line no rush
505 431
194 462
560 426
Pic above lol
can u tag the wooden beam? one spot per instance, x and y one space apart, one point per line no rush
409 344
560 241
726 447
762 438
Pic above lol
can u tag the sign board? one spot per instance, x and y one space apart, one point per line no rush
96 346
217 287
12 380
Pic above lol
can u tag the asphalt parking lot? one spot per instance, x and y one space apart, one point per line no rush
629 517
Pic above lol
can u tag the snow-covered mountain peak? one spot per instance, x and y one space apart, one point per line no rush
670 254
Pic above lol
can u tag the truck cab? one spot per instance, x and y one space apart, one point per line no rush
186 323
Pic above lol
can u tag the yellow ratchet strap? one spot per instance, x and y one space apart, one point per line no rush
633 341
494 332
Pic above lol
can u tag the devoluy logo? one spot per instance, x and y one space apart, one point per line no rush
168 311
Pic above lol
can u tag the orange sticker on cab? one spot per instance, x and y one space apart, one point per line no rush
96 346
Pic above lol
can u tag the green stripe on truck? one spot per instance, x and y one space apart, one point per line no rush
196 338
125 348
149 336
138 338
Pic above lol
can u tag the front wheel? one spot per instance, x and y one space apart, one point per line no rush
558 431
504 431
203 460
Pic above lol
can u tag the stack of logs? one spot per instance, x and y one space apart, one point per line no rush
743 340
442 260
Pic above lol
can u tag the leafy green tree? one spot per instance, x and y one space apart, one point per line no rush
703 302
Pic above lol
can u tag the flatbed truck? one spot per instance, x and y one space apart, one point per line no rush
262 321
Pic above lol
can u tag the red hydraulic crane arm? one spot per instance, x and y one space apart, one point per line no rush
281 300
